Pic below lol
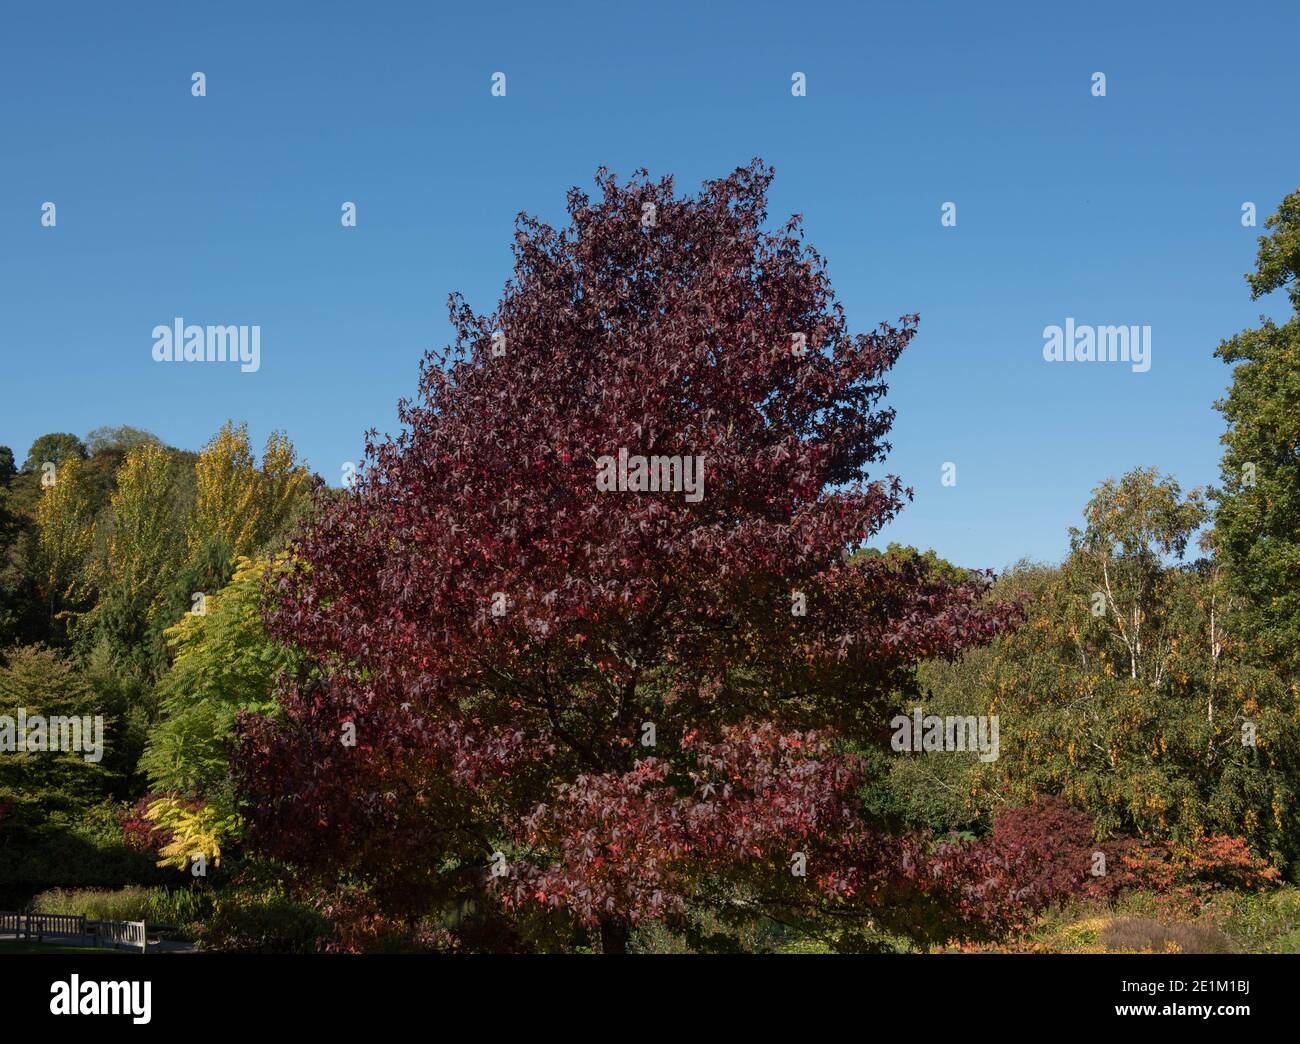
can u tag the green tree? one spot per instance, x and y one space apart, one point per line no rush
144 551
1131 699
1258 518
1132 526
55 448
65 536
223 662
38 784
125 691
59 822
122 437
22 616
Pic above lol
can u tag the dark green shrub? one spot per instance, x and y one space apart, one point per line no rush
262 920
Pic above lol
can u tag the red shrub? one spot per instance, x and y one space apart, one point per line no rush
1050 844
1186 875
138 830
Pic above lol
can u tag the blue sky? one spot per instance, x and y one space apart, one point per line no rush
225 209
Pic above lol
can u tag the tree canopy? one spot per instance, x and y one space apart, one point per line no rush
621 701
1258 518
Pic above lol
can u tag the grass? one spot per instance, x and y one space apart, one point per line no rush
176 906
1147 935
1261 923
1082 936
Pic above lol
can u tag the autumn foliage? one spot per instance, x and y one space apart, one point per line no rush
1185 876
601 707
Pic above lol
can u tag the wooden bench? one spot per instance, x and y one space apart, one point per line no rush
123 934
38 927
28 925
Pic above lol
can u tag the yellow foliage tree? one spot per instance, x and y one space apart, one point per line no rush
65 536
195 831
141 560
238 504
226 492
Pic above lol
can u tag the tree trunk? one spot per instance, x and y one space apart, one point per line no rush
614 933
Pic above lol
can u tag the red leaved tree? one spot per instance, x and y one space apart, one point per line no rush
584 706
